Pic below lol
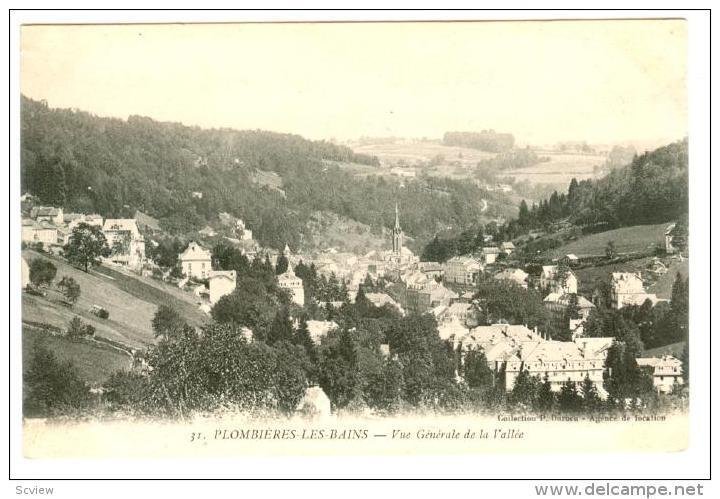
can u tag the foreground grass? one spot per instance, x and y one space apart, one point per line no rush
95 362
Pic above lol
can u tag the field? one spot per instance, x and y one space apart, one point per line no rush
674 349
412 152
627 240
131 301
561 169
95 362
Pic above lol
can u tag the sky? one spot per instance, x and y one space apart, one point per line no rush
544 81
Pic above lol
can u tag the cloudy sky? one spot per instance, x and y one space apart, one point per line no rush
599 81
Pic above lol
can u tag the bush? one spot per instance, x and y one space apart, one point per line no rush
42 272
52 387
70 288
78 329
101 312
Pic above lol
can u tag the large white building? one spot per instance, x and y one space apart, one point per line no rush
463 270
293 284
627 288
221 283
514 348
518 276
196 261
666 371
555 279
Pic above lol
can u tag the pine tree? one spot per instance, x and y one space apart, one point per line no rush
525 390
591 398
569 399
281 328
282 265
546 397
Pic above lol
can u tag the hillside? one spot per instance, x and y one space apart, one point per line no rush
185 176
652 189
626 239
131 301
94 361
560 169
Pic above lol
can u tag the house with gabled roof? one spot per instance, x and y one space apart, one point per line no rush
196 261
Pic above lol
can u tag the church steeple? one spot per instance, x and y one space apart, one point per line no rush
397 234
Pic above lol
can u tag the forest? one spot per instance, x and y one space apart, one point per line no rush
110 166
652 189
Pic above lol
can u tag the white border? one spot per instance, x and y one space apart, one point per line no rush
691 464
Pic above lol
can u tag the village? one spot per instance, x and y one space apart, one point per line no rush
410 286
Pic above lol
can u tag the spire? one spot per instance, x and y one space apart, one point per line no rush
397 217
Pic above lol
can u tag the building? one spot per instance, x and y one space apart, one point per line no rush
293 284
558 279
221 283
196 261
72 220
397 237
513 348
24 273
127 245
558 304
382 299
433 270
627 288
38 232
47 214
517 276
463 270
676 238
559 361
452 329
466 314
666 371
242 232
315 403
490 254
428 297
146 223
508 248
570 259
319 329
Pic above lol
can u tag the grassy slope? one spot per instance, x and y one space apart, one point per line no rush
627 240
131 302
674 349
561 169
95 362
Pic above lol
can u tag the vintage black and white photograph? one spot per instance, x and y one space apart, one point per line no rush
354 237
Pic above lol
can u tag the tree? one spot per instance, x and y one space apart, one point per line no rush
568 398
282 264
78 329
42 272
302 338
86 245
546 397
281 328
610 251
685 358
167 322
476 371
52 387
525 390
70 288
590 396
